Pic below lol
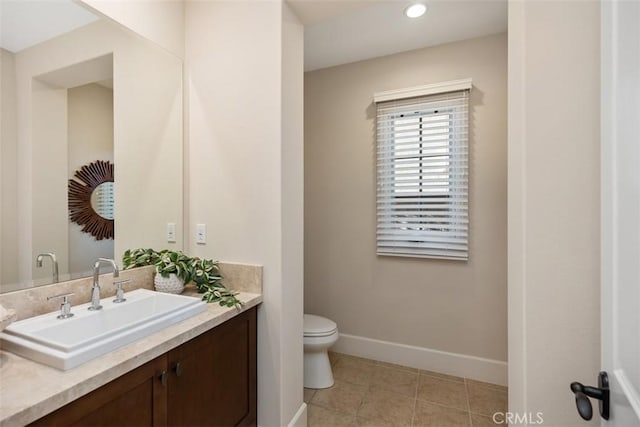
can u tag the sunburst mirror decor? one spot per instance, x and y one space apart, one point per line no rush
91 199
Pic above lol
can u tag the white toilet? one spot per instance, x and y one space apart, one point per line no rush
319 334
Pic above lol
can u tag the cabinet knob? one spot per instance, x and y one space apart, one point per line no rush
163 378
178 369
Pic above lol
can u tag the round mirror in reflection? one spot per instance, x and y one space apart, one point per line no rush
102 200
91 199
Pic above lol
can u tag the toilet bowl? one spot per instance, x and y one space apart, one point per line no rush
319 334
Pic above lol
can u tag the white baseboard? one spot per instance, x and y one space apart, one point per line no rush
460 365
300 418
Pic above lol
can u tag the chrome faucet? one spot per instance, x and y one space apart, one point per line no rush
54 264
95 290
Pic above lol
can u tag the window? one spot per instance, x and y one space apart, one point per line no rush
422 163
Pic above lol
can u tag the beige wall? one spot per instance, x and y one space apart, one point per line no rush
554 205
292 215
148 154
8 171
147 137
457 307
89 138
244 93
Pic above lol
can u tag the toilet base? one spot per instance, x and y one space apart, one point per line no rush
317 370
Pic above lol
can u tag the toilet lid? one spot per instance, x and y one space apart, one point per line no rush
317 326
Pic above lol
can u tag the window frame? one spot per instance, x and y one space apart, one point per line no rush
440 230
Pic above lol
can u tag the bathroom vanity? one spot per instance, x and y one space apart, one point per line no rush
201 371
209 380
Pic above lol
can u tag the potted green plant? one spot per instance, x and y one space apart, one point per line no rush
174 269
172 272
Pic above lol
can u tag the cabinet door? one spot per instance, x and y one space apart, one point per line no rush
212 378
137 398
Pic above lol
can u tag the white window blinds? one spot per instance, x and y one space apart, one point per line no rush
422 168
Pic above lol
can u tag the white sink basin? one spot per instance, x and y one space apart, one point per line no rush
67 343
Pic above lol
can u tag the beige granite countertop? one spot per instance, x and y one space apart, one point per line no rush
30 390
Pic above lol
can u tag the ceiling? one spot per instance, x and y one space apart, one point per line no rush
24 24
343 31
313 11
336 31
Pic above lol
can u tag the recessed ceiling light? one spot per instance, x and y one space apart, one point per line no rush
415 10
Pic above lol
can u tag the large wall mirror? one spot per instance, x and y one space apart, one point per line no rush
79 89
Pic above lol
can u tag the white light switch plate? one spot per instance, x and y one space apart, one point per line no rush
171 232
201 234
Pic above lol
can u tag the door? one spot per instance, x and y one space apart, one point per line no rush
621 208
212 380
137 398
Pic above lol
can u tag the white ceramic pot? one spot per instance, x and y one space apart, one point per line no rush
171 285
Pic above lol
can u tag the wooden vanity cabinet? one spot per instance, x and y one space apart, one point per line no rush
137 398
213 377
208 381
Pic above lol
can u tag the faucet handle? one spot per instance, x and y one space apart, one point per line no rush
63 296
65 306
119 291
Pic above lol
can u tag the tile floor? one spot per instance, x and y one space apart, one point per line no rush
370 393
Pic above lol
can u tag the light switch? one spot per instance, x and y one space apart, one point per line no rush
201 234
171 232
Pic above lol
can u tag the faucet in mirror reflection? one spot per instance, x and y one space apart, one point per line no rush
54 264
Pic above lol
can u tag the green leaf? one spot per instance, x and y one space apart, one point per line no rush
204 272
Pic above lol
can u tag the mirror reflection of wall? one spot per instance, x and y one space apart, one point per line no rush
72 116
8 171
90 138
88 91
